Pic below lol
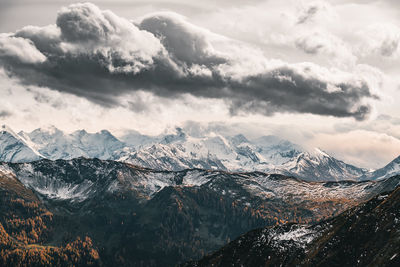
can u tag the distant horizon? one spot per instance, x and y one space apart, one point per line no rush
122 134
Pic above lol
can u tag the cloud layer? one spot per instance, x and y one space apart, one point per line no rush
98 55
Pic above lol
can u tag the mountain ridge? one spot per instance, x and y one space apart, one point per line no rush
162 218
179 150
366 235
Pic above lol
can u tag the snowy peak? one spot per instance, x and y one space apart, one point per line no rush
393 165
391 169
174 157
6 128
239 139
318 165
176 150
49 130
41 136
107 134
81 178
55 144
14 148
321 153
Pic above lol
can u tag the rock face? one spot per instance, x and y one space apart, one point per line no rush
141 217
179 151
366 235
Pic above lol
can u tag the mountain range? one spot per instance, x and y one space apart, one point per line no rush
94 199
179 150
103 212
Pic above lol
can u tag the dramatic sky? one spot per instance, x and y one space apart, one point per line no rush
319 73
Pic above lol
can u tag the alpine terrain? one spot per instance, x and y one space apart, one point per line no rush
366 235
178 151
165 133
115 213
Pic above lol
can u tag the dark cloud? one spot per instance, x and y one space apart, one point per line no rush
98 55
5 114
294 93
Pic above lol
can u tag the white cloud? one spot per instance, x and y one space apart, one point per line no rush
380 40
23 49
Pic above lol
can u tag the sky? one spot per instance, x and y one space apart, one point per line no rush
318 73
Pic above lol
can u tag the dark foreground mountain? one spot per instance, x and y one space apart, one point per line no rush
26 224
367 235
117 214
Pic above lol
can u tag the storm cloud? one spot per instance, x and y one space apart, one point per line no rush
98 55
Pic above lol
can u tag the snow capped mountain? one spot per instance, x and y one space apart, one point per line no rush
171 157
82 178
196 208
100 145
79 179
54 144
180 151
319 166
14 148
176 150
276 150
393 168
268 154
43 136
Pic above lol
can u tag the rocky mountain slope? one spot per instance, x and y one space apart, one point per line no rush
141 217
367 235
25 227
179 150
